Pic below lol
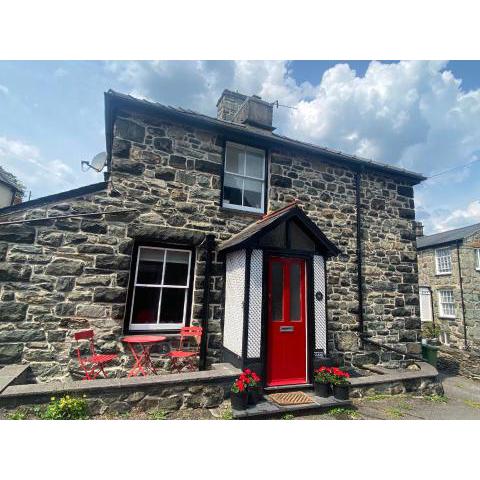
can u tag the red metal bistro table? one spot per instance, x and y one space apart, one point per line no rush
143 362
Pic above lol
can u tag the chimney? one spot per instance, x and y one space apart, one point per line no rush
238 108
418 229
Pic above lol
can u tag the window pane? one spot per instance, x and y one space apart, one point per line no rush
145 305
299 240
232 190
444 260
295 291
150 266
176 269
235 160
254 167
277 291
252 196
173 304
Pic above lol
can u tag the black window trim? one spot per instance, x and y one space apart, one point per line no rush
131 286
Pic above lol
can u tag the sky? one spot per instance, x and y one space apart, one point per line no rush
420 115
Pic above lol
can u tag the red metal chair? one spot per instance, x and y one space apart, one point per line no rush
188 349
92 365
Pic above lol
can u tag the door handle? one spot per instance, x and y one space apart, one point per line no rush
286 329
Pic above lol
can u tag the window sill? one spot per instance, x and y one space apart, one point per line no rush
240 211
447 317
438 274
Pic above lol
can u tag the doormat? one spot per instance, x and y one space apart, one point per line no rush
290 398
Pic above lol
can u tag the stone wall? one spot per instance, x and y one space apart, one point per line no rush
327 194
206 389
58 276
453 327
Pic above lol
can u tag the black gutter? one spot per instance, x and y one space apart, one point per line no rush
359 256
465 343
209 247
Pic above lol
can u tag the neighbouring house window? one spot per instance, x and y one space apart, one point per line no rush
477 258
160 289
443 259
447 303
244 178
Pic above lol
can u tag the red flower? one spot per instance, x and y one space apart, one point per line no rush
255 377
247 371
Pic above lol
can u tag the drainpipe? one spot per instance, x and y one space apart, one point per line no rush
359 256
209 247
461 296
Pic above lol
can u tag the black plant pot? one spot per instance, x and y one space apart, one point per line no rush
322 389
254 395
239 400
341 392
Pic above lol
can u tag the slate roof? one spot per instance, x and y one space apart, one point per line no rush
449 236
9 179
56 197
115 100
270 221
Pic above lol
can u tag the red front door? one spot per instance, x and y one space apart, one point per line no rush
286 330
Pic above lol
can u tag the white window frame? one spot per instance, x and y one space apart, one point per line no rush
233 206
477 258
441 303
162 286
440 255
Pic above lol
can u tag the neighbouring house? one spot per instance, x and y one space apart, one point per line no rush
11 191
284 252
449 280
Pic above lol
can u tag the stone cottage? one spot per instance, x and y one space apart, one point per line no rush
449 279
284 252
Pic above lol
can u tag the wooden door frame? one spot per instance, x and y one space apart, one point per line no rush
309 309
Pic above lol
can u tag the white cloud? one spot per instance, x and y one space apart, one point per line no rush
413 114
35 172
4 89
440 220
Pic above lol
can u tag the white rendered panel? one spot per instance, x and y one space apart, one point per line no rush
320 305
255 305
234 301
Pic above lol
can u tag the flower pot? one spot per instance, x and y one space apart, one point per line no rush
254 395
322 389
341 392
239 400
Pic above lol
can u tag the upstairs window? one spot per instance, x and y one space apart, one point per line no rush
477 258
244 178
443 260
160 289
446 303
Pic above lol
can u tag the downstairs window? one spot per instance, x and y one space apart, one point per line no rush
161 286
447 303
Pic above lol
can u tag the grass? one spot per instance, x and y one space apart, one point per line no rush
19 414
288 416
227 414
158 415
394 412
436 398
472 403
405 406
344 412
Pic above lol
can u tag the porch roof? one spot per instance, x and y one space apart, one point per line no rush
249 235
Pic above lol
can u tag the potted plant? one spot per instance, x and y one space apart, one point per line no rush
254 387
322 377
239 394
340 384
430 342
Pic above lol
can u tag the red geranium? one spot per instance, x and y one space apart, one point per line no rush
339 377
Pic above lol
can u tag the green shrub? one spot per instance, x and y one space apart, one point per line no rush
19 414
430 330
66 408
